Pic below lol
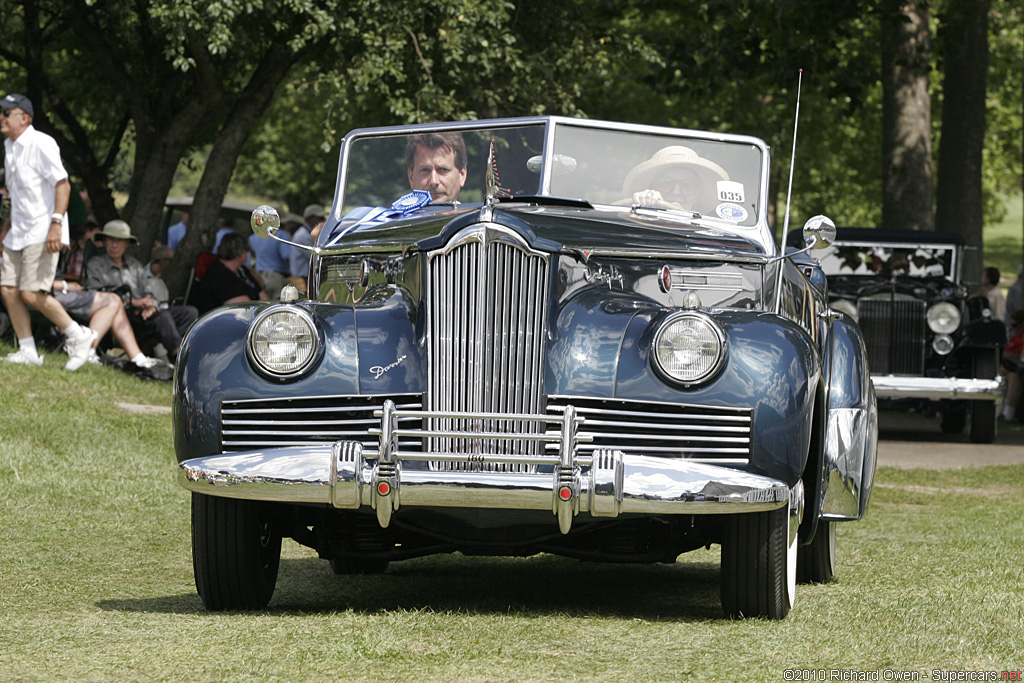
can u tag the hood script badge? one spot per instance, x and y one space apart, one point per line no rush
378 370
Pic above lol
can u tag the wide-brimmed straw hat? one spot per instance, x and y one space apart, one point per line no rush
118 229
673 156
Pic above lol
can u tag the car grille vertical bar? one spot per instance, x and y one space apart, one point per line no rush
487 303
894 330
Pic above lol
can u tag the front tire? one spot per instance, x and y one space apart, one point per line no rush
758 564
983 413
816 561
236 550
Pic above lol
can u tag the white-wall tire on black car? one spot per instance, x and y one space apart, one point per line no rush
758 564
236 550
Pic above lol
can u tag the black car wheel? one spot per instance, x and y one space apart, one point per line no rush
758 564
236 550
983 413
954 417
816 561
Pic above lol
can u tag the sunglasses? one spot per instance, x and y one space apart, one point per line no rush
7 112
669 185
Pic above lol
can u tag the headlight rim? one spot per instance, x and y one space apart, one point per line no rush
715 367
933 325
311 361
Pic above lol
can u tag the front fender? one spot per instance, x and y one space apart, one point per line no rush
369 350
851 425
601 348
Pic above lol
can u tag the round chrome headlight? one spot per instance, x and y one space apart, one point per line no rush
689 347
943 318
283 341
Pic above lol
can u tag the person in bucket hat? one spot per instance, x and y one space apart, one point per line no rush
115 270
34 234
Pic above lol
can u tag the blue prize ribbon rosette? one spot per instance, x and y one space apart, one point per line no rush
401 207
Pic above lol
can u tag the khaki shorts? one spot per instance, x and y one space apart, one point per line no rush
31 270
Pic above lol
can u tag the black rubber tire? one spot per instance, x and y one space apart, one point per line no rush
754 564
954 417
983 422
236 551
816 561
347 566
983 413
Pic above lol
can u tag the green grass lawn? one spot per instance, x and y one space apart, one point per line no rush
1003 240
96 579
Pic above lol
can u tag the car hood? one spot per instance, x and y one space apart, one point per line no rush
579 227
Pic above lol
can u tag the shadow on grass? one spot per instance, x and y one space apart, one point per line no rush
529 587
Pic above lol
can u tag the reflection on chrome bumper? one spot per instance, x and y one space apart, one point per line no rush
893 386
613 483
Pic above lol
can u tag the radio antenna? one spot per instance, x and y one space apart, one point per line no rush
792 159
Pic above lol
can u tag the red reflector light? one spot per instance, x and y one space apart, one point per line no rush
383 488
565 493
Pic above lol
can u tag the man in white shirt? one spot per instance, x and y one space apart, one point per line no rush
34 234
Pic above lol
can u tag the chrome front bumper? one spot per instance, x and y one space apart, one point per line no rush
605 484
934 388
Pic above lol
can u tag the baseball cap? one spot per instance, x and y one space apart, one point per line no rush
16 101
313 210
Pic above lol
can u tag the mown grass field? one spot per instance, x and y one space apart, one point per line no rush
96 579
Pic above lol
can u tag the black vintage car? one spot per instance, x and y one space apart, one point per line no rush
533 335
931 344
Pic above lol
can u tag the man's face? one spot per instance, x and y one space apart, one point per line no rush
115 246
13 122
434 170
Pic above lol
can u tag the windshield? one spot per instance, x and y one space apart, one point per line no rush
625 165
887 260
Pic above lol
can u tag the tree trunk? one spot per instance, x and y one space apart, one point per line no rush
907 194
959 207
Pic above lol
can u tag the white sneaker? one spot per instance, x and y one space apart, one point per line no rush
23 357
78 349
146 362
93 358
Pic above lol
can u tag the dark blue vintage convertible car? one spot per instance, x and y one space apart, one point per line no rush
533 335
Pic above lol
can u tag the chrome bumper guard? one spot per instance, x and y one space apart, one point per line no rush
934 388
605 484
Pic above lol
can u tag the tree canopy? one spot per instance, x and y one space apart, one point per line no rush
260 91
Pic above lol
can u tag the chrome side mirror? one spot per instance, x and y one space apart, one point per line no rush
265 221
819 232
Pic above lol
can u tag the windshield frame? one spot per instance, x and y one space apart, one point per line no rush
757 230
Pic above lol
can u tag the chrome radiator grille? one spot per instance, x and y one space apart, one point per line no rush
487 305
667 430
254 424
894 330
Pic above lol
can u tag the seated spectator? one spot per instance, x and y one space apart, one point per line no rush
228 280
158 260
103 312
115 269
271 261
227 226
1012 368
83 247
